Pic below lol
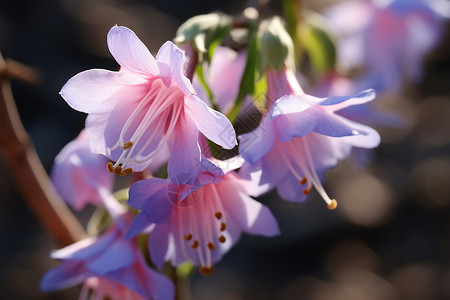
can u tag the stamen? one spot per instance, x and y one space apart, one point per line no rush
127 171
218 215
303 181
211 246
188 237
205 271
109 167
118 170
307 191
222 239
127 145
195 244
332 205
223 226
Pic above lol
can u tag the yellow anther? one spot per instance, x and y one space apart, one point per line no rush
332 205
303 181
127 171
118 170
218 215
205 271
127 145
211 246
222 239
194 245
307 191
188 237
109 167
223 226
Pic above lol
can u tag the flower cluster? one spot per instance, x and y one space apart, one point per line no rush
171 124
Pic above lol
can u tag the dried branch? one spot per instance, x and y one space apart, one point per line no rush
25 165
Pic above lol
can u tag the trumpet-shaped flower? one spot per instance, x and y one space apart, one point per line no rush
79 175
197 222
301 137
111 258
148 104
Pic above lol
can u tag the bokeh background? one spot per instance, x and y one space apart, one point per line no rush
389 239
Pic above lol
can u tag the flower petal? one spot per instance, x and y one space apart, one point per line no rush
213 124
257 143
100 90
116 256
130 53
338 103
143 189
159 245
63 276
173 60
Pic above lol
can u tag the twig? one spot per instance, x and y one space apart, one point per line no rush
25 165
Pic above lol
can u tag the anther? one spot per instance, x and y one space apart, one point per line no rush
307 191
188 237
118 170
211 246
222 239
332 205
127 145
194 245
303 181
205 271
218 215
109 167
223 226
127 171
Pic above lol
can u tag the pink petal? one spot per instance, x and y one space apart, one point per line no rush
130 52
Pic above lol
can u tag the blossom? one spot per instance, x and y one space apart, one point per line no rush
388 38
78 174
300 137
103 288
148 104
197 222
109 257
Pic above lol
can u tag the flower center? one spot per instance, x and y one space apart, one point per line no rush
148 128
202 228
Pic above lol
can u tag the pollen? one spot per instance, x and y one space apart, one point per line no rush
109 167
118 170
195 244
127 145
127 171
188 237
222 239
307 191
223 226
218 215
303 181
206 271
332 205
211 246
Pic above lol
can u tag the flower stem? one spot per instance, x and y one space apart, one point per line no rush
25 165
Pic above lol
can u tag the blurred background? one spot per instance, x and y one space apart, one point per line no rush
389 238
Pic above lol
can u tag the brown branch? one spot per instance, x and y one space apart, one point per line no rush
25 165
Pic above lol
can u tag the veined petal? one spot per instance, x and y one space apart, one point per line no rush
214 125
369 138
143 189
338 103
139 225
158 206
174 58
159 245
257 143
185 151
130 52
100 90
63 276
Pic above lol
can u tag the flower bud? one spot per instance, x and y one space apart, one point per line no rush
277 48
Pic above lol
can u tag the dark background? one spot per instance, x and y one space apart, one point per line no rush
389 239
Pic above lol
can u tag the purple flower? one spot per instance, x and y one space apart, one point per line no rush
197 222
135 112
103 288
111 258
79 175
301 137
388 38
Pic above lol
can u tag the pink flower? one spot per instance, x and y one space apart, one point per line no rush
79 175
199 222
300 137
103 288
135 112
